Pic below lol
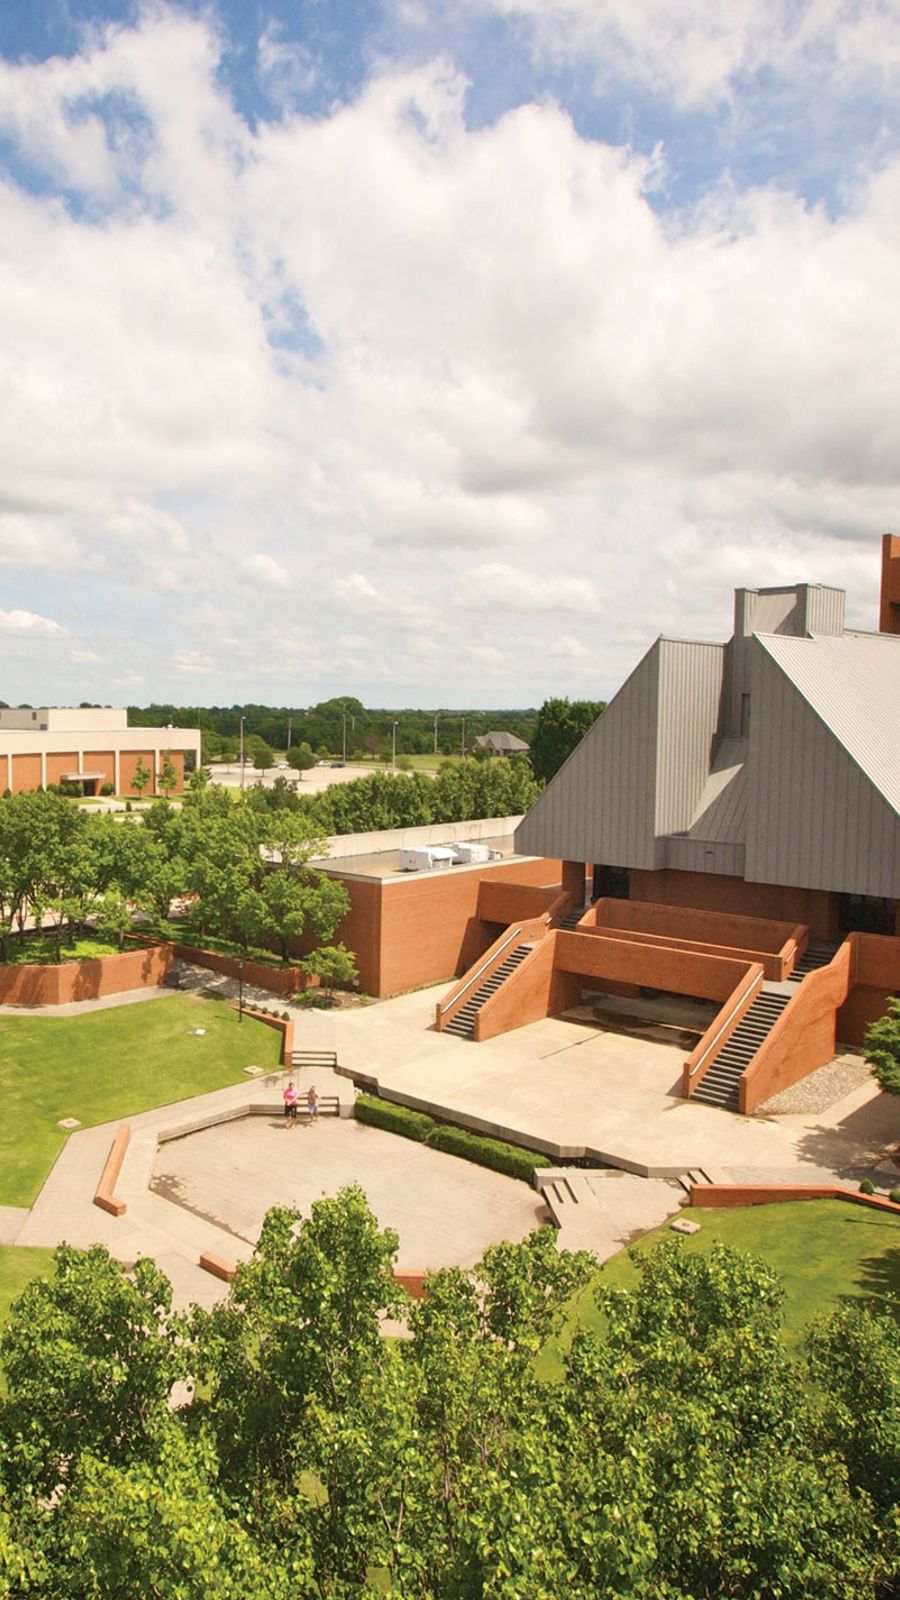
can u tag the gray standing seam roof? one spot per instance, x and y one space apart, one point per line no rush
852 682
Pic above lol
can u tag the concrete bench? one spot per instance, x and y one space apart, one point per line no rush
218 1266
104 1195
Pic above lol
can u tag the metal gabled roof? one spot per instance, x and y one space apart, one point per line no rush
852 682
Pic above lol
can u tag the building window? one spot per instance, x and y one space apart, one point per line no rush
866 913
611 883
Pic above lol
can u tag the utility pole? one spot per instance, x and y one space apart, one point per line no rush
344 737
435 732
289 733
394 746
242 752
462 742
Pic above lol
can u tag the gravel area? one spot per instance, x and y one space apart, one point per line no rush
821 1090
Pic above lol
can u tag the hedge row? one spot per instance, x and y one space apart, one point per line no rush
510 1159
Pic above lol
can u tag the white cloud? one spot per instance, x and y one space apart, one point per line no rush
193 661
89 657
265 570
694 51
29 623
497 375
494 586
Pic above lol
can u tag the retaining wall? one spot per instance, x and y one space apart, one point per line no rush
90 979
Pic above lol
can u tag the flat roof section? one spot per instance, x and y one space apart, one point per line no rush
386 863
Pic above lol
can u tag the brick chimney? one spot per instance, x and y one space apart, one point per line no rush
889 615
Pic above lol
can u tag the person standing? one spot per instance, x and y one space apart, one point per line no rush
312 1102
290 1098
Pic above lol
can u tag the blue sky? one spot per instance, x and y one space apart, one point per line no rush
439 354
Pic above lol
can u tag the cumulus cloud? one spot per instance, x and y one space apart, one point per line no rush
429 368
29 623
265 570
694 50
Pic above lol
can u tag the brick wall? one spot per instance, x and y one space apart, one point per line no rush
84 980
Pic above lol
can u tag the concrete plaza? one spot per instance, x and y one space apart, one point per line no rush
564 1086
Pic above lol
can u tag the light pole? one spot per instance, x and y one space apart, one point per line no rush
394 746
242 752
462 742
240 989
289 733
344 737
435 732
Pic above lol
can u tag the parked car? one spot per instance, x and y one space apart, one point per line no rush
338 763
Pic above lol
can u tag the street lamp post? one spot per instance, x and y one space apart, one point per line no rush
394 746
435 732
462 742
240 989
242 752
344 737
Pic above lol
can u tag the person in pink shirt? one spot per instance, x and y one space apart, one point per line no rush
290 1098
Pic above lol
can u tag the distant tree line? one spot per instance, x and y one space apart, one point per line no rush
334 727
345 726
460 792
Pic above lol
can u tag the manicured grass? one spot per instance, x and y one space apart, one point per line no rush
40 950
17 1268
825 1252
180 933
107 1065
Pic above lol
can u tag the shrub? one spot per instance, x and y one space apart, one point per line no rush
494 1153
128 805
7 794
395 1119
107 788
895 1196
867 1186
285 1016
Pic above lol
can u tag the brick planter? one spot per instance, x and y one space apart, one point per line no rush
90 979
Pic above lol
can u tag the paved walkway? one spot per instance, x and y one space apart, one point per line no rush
569 1087
561 1084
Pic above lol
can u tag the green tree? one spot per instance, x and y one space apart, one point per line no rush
142 776
561 725
332 964
882 1047
167 777
300 756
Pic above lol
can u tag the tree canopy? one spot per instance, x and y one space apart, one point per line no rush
882 1047
561 725
681 1456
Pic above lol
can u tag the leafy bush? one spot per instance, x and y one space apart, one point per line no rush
395 1119
867 1186
107 788
895 1196
494 1153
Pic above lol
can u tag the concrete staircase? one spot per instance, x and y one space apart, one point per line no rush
462 1023
572 918
719 1084
814 956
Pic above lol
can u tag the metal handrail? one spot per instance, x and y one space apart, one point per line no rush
478 971
756 982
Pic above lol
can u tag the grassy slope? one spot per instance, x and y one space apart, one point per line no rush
17 1268
825 1251
110 1064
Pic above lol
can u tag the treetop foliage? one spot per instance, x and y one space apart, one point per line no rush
561 725
682 1455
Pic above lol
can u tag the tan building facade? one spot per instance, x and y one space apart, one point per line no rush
89 747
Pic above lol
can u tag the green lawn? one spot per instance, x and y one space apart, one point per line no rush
825 1251
107 1065
40 950
17 1268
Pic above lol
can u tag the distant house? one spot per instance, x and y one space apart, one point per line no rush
500 744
